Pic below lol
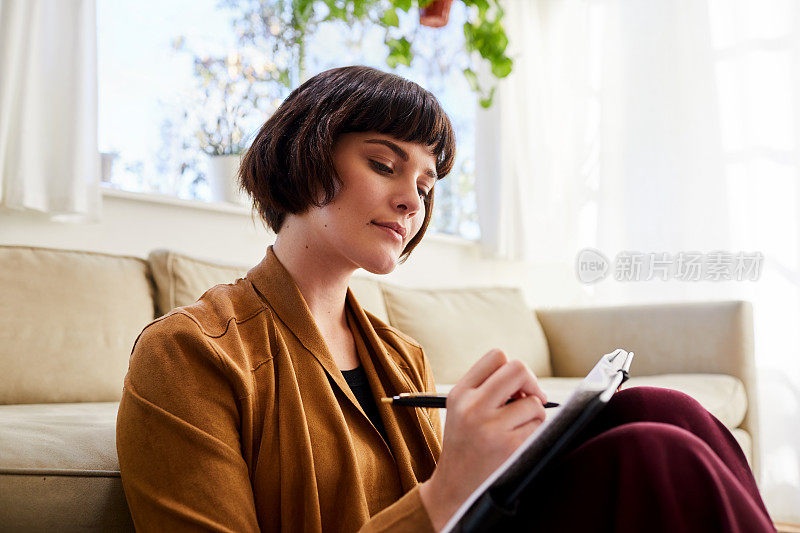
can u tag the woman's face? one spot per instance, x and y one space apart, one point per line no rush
379 207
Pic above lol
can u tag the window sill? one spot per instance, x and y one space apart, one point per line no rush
163 199
229 208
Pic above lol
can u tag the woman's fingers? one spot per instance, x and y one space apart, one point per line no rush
524 411
483 368
508 380
481 430
522 432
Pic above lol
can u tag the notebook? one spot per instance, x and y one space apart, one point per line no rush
496 498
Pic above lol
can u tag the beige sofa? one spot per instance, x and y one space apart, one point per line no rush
68 320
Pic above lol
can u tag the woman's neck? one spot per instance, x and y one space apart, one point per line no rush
321 281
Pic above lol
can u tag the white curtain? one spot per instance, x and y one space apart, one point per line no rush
48 108
664 126
531 134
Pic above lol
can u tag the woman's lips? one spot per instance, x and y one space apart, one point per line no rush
389 231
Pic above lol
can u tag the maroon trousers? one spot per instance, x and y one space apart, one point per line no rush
653 460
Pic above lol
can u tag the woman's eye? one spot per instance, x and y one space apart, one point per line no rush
381 167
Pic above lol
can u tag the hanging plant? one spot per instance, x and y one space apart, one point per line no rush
483 30
435 14
281 26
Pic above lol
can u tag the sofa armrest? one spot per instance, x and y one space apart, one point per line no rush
709 337
705 337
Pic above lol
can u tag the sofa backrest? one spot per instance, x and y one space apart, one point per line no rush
457 326
69 319
67 323
180 280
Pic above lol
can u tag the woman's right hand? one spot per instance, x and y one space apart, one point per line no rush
481 430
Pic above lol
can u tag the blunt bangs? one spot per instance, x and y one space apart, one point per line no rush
411 115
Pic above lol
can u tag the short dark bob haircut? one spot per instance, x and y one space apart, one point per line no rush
291 158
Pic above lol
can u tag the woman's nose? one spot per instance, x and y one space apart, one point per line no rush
409 201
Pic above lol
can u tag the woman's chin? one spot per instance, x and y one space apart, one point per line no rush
383 266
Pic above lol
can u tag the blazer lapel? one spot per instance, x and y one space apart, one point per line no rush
274 282
403 425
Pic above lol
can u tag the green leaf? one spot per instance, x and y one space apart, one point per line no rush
399 46
399 52
337 13
501 41
284 79
472 79
395 59
359 8
486 101
390 18
469 36
502 68
304 9
483 6
405 5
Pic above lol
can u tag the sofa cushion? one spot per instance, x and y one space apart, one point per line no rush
59 469
59 437
723 396
69 320
180 280
457 326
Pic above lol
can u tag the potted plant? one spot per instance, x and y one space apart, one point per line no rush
237 93
220 130
435 14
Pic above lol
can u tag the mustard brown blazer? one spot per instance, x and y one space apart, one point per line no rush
234 417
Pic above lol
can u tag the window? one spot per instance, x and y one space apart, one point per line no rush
153 106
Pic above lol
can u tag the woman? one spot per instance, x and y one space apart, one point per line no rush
255 407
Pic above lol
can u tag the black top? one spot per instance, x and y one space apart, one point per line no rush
357 380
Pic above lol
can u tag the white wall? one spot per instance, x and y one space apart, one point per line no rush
135 224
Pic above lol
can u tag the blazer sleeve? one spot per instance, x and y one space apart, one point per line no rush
178 437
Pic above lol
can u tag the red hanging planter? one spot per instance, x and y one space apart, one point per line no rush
435 14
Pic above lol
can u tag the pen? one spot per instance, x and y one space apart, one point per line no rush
426 399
